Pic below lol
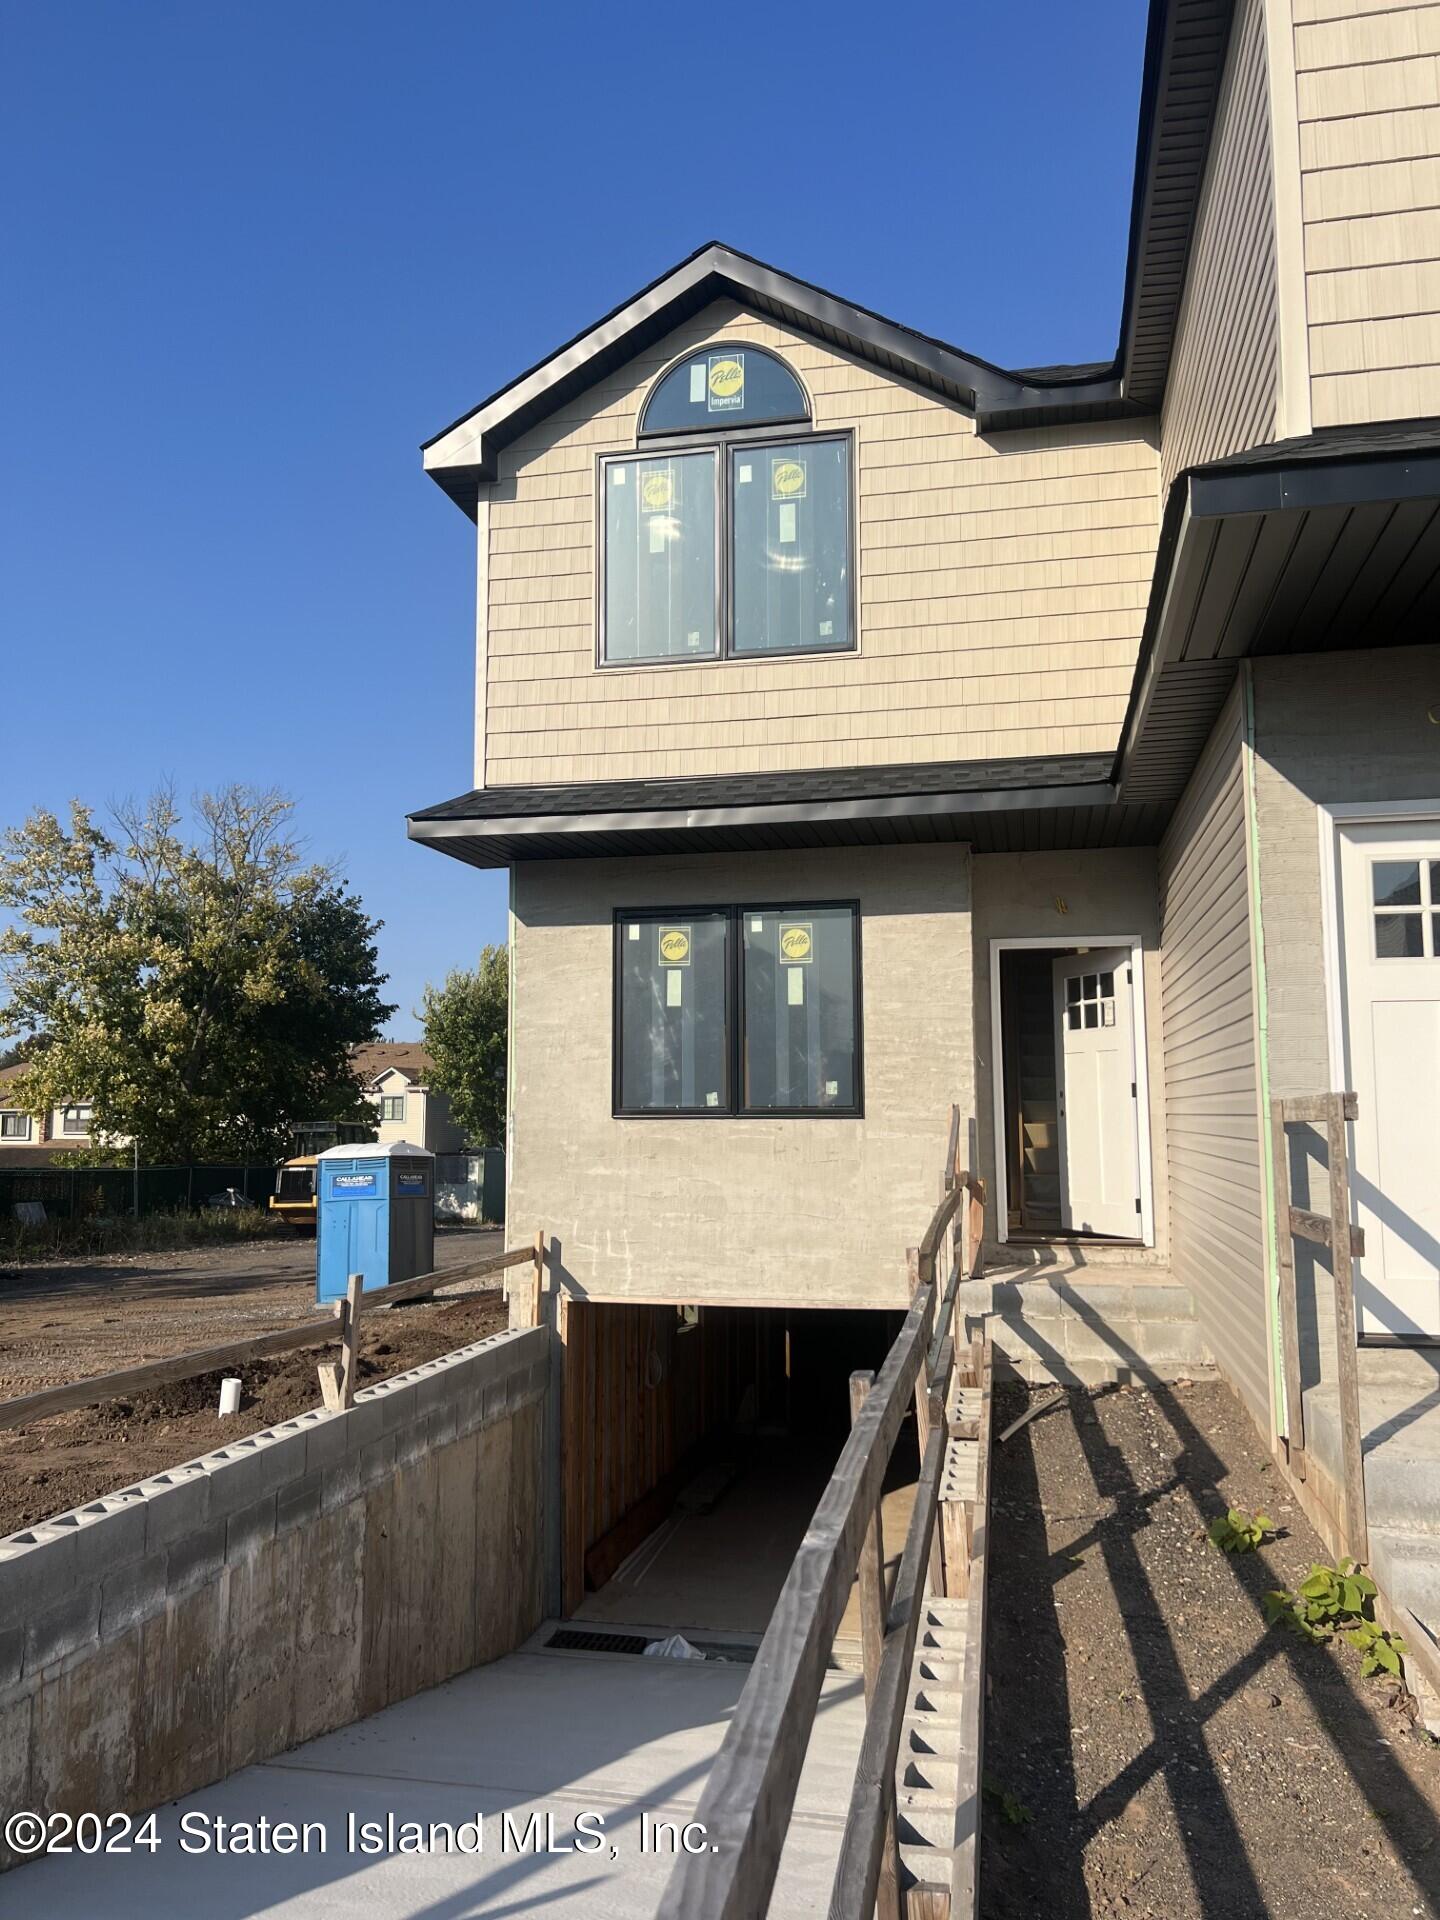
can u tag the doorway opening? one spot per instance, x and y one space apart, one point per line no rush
698 1441
1071 1099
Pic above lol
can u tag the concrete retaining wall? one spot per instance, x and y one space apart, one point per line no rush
289 1583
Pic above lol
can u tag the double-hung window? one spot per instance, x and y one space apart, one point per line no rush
738 1010
729 534
76 1119
392 1106
14 1126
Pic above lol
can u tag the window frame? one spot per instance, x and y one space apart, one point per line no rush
644 433
725 444
17 1113
81 1127
734 1011
392 1100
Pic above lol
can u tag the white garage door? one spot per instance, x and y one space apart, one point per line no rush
1390 951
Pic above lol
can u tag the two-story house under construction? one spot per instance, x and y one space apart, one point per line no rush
867 728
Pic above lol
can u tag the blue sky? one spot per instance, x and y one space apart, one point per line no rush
255 254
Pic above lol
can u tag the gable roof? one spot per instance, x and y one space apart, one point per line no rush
1186 43
379 1057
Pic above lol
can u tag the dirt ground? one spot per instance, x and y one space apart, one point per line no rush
66 1323
1167 1754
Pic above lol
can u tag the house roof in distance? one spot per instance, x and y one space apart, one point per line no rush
377 1057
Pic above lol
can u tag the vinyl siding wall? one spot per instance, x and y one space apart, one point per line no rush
1217 1232
1001 590
1368 95
1225 376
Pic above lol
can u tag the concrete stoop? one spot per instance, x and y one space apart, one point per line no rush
1075 1318
1400 1415
927 1771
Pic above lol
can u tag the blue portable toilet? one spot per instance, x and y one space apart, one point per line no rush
376 1216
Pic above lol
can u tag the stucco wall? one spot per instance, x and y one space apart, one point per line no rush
1001 586
1110 892
167 1635
1328 727
770 1211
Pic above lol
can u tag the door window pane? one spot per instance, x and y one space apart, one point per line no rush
673 1012
660 558
1396 883
790 535
798 987
1399 936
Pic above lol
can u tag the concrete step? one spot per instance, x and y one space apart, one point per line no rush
1407 1566
1086 1325
1400 1433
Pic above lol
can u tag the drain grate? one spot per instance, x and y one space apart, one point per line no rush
585 1640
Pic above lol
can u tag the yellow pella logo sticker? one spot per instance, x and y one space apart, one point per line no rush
796 943
675 946
657 491
787 480
727 377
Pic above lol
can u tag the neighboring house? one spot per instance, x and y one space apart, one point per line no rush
395 1075
33 1139
867 727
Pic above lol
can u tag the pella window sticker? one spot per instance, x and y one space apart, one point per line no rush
674 946
725 382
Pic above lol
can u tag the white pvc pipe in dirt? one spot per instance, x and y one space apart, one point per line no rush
229 1397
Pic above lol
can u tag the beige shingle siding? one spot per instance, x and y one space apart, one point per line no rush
1368 90
1001 590
1225 374
1211 1075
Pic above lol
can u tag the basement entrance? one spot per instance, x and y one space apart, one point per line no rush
698 1441
1070 1111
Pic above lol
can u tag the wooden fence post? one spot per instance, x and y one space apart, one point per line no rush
872 1649
338 1377
1357 1531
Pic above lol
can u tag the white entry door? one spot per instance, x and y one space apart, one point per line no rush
1097 1101
1390 955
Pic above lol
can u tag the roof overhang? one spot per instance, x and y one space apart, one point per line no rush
993 806
1307 546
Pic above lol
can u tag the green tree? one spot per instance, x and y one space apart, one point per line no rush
466 1034
204 992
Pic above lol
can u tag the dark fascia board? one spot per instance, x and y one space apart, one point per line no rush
1185 49
1089 793
464 455
1249 485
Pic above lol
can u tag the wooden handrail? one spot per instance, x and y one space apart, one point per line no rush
747 1800
319 1332
1344 1243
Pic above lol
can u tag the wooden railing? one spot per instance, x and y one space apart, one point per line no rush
342 1323
1328 1112
748 1798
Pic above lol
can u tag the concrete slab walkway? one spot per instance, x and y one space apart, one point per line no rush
625 1739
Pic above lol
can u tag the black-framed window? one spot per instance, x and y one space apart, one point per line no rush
662 563
392 1106
737 542
740 1010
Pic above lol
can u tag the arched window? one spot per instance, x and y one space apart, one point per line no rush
734 541
724 387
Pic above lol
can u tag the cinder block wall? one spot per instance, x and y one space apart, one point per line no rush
292 1582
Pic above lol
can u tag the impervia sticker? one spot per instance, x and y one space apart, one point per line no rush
725 382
